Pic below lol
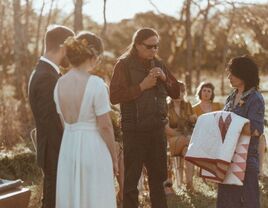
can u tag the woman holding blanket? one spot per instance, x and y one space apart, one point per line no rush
246 101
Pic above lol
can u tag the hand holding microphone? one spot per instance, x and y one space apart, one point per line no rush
148 82
155 74
157 71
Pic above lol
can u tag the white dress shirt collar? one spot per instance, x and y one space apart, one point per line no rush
42 58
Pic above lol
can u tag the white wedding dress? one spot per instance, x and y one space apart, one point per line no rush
85 172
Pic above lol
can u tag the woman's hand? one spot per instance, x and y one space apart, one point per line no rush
115 166
246 130
193 118
171 132
158 73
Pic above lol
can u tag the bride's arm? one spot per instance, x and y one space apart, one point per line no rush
106 130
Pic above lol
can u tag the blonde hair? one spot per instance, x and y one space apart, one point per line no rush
84 46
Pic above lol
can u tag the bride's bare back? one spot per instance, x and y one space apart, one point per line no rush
71 90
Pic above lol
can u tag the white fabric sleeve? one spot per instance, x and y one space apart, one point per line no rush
101 101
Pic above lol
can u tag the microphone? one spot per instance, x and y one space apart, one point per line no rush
152 63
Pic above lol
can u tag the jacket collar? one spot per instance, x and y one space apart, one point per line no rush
55 66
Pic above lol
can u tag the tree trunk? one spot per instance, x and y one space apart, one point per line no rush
37 41
201 46
78 15
188 73
225 50
48 22
172 57
19 40
21 59
27 16
103 32
2 15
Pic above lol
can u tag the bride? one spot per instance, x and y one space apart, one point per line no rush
87 156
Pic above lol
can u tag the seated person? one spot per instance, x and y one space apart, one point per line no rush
205 94
179 129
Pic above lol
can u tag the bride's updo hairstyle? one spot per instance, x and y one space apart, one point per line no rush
85 45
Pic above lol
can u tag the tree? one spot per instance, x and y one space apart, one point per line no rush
201 41
78 15
103 32
226 47
188 73
19 48
39 23
47 22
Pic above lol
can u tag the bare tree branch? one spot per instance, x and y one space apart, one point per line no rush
226 46
78 15
38 29
103 32
188 23
65 20
156 8
50 13
48 20
200 45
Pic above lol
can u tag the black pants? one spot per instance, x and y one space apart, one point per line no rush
147 149
246 196
50 177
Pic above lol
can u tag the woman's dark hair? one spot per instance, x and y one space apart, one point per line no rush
138 37
85 45
207 85
245 69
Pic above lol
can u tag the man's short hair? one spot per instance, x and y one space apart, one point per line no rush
55 36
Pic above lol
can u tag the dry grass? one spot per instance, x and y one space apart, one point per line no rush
19 162
204 195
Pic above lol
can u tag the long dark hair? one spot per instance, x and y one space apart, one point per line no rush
245 69
139 36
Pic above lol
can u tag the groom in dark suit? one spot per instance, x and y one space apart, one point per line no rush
49 129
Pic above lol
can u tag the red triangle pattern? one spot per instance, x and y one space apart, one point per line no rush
224 125
241 149
240 175
237 158
242 165
245 146
243 155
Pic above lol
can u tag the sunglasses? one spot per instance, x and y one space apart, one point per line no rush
155 46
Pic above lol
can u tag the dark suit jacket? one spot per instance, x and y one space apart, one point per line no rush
48 124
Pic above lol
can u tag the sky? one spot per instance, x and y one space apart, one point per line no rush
116 10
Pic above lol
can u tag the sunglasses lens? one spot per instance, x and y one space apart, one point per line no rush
150 46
